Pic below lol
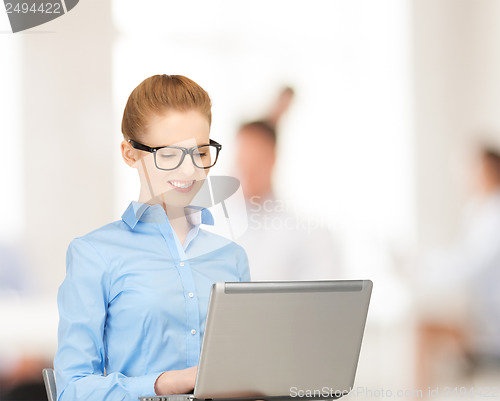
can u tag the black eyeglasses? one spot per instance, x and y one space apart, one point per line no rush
171 157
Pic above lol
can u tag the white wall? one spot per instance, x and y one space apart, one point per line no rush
66 110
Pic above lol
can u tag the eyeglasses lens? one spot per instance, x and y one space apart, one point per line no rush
170 158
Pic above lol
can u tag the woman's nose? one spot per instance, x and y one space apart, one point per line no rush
187 167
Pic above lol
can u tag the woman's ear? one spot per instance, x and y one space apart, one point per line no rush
129 154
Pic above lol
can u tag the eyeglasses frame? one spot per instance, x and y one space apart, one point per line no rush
185 151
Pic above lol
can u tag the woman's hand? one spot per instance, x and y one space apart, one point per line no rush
176 381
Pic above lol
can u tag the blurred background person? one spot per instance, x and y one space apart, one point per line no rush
280 245
462 305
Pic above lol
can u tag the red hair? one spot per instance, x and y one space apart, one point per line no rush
158 94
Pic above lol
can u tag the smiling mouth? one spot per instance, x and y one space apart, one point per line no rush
182 186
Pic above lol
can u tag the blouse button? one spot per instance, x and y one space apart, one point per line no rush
193 332
191 295
181 264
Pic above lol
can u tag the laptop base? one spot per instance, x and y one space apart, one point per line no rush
191 397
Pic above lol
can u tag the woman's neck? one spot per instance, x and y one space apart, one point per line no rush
176 216
178 221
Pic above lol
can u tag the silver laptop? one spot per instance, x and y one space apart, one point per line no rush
280 340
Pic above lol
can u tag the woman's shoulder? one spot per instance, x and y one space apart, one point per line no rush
100 248
107 235
114 228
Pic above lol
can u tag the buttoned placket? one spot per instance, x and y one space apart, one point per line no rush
193 340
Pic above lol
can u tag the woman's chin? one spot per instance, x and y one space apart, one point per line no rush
175 198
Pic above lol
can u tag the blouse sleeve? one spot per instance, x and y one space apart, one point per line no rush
80 358
242 264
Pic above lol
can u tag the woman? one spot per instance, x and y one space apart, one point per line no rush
134 301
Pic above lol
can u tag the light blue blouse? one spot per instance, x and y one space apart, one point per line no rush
134 302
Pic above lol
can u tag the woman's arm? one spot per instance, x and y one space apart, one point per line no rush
79 363
176 381
242 264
